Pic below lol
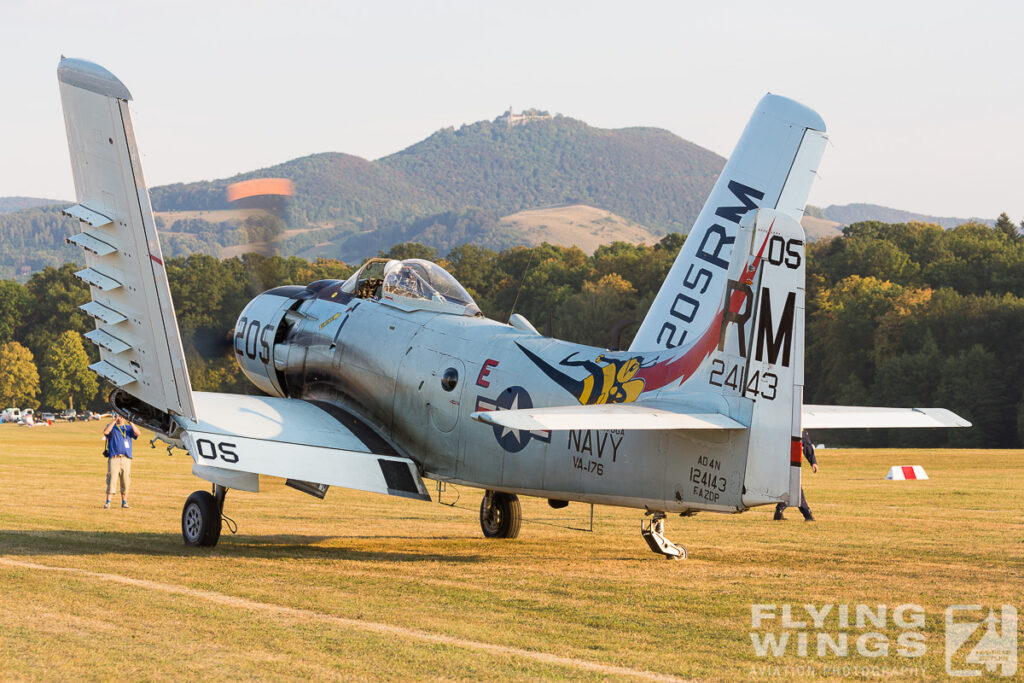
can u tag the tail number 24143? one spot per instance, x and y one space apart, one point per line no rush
761 384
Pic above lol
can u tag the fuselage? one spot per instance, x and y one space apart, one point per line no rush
415 376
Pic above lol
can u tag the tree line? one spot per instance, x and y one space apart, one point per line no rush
905 314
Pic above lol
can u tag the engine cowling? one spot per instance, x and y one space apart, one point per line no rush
260 333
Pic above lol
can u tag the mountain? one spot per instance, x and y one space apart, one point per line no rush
646 175
489 183
456 186
31 239
9 204
857 213
329 188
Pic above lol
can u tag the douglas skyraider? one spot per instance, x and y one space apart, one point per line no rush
395 375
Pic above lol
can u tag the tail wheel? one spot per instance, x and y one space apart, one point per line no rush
502 518
201 520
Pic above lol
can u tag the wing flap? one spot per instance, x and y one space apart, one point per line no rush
608 416
863 417
291 439
390 475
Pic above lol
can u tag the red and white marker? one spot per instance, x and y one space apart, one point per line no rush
900 472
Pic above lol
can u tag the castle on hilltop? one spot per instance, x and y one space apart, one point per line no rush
511 119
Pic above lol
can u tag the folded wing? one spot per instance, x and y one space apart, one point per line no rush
136 330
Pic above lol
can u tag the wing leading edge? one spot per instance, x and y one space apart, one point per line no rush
639 415
665 415
863 417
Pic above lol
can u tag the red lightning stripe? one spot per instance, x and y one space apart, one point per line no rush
154 259
667 372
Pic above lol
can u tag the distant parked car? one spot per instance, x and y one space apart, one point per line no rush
69 415
48 417
87 415
10 415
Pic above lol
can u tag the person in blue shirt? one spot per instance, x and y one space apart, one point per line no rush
119 434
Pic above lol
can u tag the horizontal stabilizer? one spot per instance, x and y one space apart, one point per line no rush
647 415
862 417
294 439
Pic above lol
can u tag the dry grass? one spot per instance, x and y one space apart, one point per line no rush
360 586
820 228
576 225
213 216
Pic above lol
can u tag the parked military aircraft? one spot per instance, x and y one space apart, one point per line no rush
395 375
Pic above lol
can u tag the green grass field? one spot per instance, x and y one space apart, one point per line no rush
360 586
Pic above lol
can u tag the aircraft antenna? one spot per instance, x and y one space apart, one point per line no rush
515 301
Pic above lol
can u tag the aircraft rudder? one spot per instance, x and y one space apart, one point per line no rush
774 375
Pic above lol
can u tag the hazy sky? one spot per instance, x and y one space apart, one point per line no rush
924 101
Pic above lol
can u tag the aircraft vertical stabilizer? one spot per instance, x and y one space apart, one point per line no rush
773 166
136 330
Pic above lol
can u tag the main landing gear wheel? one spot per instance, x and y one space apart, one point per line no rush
654 534
201 518
500 515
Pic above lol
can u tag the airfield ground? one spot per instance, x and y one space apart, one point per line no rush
360 586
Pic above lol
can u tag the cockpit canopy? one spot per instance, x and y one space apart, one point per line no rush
412 284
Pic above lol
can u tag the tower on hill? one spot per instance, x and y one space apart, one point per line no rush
509 118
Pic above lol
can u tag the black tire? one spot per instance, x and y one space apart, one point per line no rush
503 518
200 520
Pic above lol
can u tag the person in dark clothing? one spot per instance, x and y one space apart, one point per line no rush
805 510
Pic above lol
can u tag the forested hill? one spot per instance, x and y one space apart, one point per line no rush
647 175
458 186
9 204
329 188
849 214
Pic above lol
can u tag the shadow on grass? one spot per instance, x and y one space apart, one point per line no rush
280 546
